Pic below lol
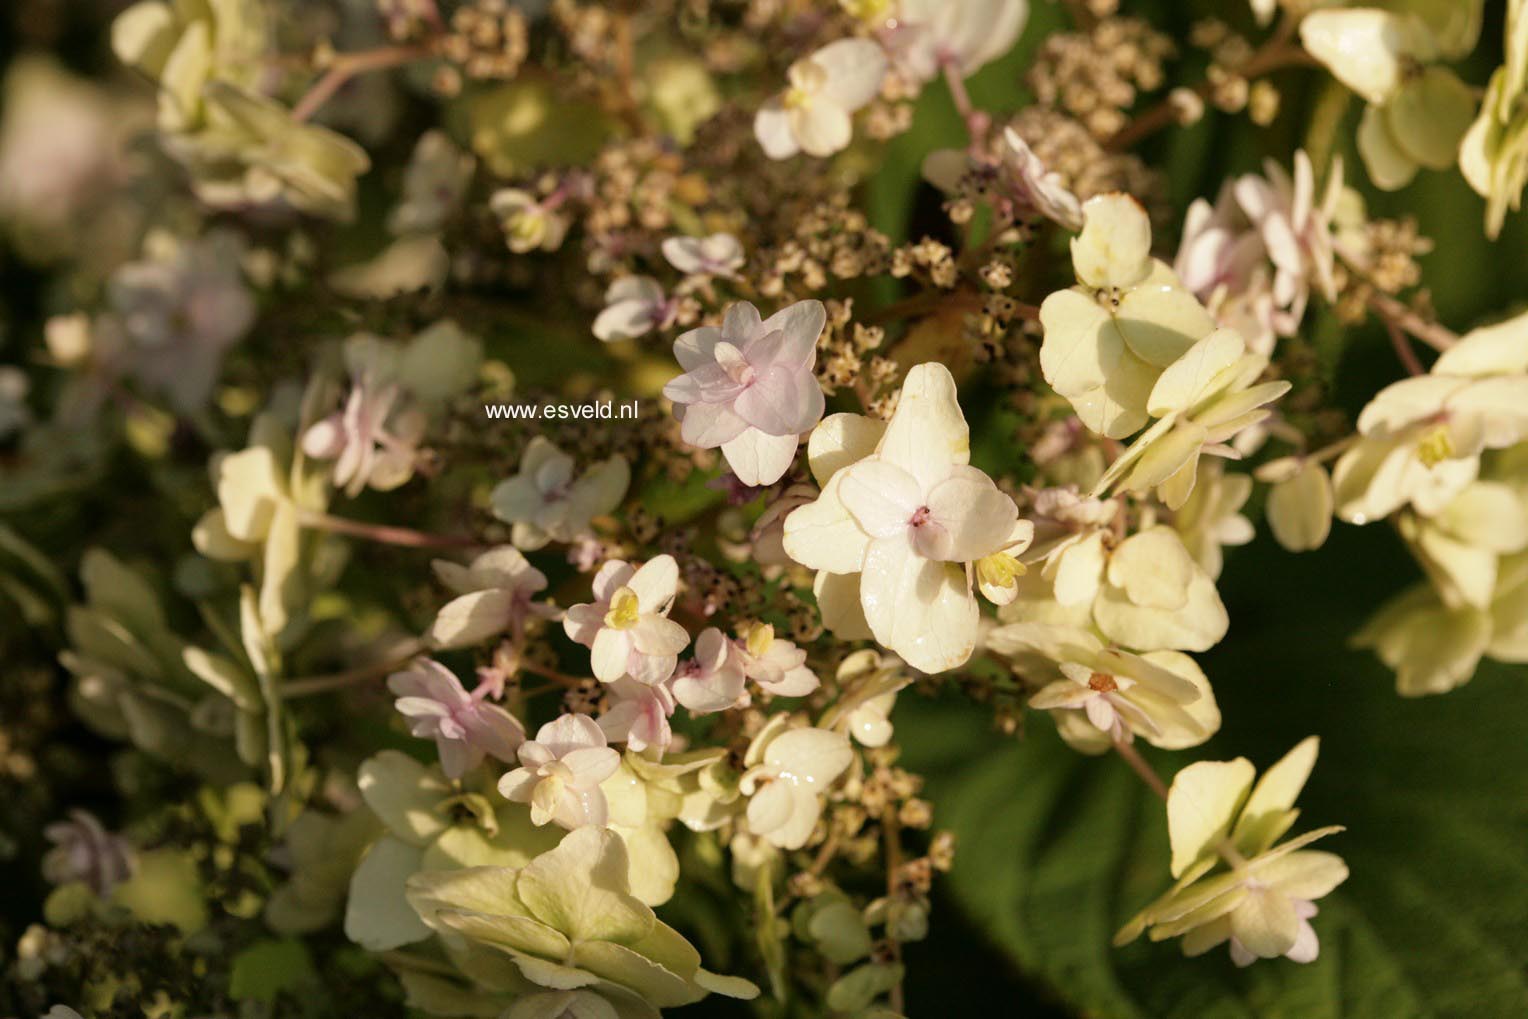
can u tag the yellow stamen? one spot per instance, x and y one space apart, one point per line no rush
624 610
1436 446
759 639
1000 570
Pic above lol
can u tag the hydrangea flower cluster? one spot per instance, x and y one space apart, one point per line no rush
540 465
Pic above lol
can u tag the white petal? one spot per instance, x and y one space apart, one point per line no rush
760 459
1201 805
822 535
1114 248
1363 48
881 497
921 609
855 68
927 433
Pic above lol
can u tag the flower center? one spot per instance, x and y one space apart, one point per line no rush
1109 298
1436 446
624 610
1102 682
867 10
759 639
999 570
920 517
806 80
526 226
734 364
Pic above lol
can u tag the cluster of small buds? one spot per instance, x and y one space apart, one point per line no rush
590 29
1391 248
1096 76
844 347
885 120
926 259
637 185
830 240
486 39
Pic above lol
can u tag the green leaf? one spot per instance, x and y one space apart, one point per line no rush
267 969
1056 850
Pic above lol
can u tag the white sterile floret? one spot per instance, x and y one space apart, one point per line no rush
1202 401
713 679
813 114
1262 899
1109 338
560 773
1463 545
1299 506
626 627
638 715
719 254
1255 255
465 727
787 772
1212 517
869 682
495 594
1017 183
906 520
1145 593
529 223
1418 112
1434 648
634 306
1102 695
1422 437
962 35
777 666
545 502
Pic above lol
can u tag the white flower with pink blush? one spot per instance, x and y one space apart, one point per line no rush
901 518
626 627
748 387
465 728
373 441
634 306
639 715
718 254
1255 254
495 594
546 502
560 773
778 666
713 679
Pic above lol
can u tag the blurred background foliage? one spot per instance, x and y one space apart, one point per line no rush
1056 850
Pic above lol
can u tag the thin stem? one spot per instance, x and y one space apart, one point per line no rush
1397 315
891 829
386 534
310 685
1332 450
825 854
1403 349
347 66
1132 757
1227 852
977 121
561 679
